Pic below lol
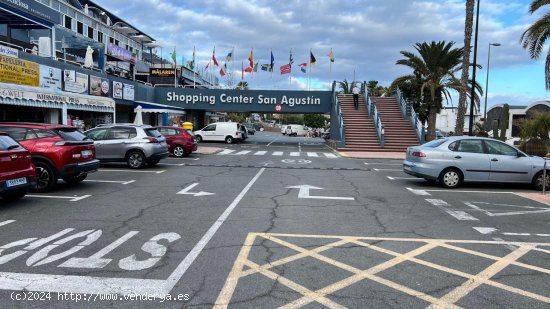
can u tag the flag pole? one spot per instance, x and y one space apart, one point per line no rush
290 64
330 63
194 75
309 73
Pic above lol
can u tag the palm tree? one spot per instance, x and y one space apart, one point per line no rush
534 38
468 26
375 89
435 68
346 87
242 86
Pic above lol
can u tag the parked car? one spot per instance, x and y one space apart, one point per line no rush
137 145
17 172
181 142
57 151
454 160
229 132
296 130
251 129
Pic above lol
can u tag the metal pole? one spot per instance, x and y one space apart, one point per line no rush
472 93
544 179
487 80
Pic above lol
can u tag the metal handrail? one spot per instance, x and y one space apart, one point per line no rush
13 45
409 113
337 127
375 115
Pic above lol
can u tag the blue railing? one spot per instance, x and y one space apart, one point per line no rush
337 127
409 113
375 115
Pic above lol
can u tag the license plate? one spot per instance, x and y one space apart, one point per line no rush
16 182
86 153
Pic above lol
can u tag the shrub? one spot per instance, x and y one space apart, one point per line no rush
536 147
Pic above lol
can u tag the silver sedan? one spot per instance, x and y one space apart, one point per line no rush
454 160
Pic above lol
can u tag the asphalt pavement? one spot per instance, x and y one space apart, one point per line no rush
274 221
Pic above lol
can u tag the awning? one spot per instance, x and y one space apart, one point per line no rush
148 107
23 102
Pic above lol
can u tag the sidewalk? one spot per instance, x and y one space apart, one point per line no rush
373 155
537 197
208 150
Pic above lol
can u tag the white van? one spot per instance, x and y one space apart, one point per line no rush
229 132
295 130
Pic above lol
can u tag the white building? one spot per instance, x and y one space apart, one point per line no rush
446 119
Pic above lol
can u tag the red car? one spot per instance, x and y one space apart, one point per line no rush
181 142
57 151
16 169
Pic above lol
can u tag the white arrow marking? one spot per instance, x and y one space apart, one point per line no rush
266 163
191 186
304 193
485 230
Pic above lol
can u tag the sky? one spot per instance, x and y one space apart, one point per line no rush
366 37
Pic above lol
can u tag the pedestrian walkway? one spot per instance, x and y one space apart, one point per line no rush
232 152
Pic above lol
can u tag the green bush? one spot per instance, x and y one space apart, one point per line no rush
536 147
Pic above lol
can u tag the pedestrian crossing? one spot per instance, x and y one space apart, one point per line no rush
278 153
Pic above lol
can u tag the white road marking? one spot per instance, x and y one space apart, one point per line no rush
172 164
312 154
260 153
6 222
123 182
376 163
191 186
294 154
273 141
190 258
304 193
492 230
387 169
543 235
459 215
509 246
470 191
509 213
226 151
404 178
70 198
330 155
131 171
485 230
516 234
418 192
243 152
278 153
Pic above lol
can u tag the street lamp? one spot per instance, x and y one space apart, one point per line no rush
473 90
487 80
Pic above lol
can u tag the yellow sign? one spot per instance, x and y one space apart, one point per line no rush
18 71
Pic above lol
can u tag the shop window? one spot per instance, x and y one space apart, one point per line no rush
80 27
68 22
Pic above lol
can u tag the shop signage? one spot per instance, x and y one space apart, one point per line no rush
34 8
53 97
117 90
129 92
162 72
75 82
120 53
8 51
99 86
18 71
50 78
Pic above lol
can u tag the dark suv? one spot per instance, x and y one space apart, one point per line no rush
57 151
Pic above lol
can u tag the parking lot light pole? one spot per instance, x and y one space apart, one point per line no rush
487 80
474 65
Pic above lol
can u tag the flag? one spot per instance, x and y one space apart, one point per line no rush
303 66
251 58
222 72
214 57
286 69
266 67
272 63
174 57
331 56
312 59
229 56
248 70
206 67
255 69
291 59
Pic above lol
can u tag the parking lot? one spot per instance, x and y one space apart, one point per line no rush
275 221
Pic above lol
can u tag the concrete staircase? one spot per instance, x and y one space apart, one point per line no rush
398 132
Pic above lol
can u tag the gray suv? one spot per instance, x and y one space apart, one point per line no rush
137 145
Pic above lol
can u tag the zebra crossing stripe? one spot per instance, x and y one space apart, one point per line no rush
260 153
312 154
278 153
294 154
226 151
243 152
331 155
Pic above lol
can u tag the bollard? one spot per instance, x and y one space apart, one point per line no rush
544 179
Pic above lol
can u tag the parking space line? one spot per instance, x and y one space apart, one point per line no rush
418 192
6 222
131 171
403 178
387 169
123 182
171 164
70 198
381 163
457 214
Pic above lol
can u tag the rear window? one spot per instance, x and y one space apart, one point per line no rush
435 143
152 132
7 143
71 134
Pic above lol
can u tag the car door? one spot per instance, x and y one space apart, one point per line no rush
170 134
508 164
118 141
209 132
98 136
469 155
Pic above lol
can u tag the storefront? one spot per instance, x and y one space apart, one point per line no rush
160 114
25 103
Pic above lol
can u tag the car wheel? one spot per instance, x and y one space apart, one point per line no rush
198 138
75 179
14 195
450 178
229 140
153 162
46 178
538 180
178 152
135 159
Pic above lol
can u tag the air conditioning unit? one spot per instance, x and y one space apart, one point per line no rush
45 47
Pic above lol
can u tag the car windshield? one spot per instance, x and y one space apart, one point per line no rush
70 134
435 143
190 133
152 132
7 143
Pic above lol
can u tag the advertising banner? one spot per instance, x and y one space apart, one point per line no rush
162 72
129 92
99 86
18 71
8 51
50 78
117 90
37 95
120 53
75 82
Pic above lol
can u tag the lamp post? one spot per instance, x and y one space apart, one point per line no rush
474 65
487 80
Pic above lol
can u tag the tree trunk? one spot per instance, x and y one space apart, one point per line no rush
432 116
468 26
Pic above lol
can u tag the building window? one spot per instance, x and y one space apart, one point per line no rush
68 22
79 27
116 42
90 32
100 37
111 40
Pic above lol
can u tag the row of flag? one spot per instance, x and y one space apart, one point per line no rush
253 66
